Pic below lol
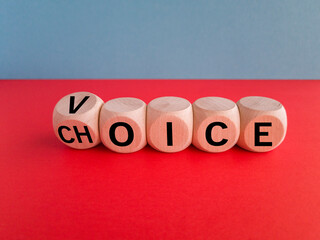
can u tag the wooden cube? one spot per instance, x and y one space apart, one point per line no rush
263 123
75 120
216 124
169 124
123 124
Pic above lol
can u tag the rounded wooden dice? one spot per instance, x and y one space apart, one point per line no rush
216 124
76 118
169 124
263 123
123 124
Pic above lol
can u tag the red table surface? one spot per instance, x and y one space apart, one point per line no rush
50 191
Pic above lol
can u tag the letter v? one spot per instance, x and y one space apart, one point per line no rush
73 110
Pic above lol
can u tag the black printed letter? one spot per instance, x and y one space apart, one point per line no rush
61 135
112 134
208 134
73 110
257 133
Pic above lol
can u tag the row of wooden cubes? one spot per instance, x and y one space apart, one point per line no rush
169 124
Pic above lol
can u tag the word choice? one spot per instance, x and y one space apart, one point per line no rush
169 124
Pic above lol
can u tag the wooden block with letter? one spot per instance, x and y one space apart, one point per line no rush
123 124
169 124
263 123
216 124
75 120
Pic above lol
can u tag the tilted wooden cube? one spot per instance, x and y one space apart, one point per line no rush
123 124
263 123
169 124
216 124
75 120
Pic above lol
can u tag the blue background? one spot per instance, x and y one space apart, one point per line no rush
160 39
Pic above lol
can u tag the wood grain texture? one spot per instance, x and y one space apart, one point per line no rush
272 117
174 111
119 118
219 117
75 120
